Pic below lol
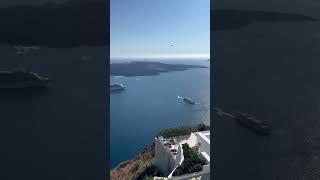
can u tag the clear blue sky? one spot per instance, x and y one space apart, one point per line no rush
147 28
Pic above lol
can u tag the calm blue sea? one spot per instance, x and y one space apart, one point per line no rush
56 131
151 103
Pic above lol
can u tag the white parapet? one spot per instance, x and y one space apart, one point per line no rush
169 154
161 156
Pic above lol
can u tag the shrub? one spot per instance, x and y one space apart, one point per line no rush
182 131
203 127
148 178
192 161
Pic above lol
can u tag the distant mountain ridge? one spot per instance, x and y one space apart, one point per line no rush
234 19
142 68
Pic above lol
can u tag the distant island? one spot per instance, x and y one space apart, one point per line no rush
141 68
236 19
58 25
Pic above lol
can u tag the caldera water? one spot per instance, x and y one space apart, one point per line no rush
151 103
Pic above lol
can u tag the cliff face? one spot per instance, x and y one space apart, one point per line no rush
70 24
138 168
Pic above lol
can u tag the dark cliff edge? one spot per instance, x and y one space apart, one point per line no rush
69 24
139 68
236 19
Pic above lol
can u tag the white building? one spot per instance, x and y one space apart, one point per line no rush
169 154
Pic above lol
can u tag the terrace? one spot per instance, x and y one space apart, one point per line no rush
169 155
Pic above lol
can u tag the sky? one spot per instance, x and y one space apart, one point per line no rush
159 28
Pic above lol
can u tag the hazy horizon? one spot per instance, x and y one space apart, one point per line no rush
152 57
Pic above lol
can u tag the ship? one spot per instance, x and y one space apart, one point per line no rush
257 126
21 50
117 87
20 79
188 100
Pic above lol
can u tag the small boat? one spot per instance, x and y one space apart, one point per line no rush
250 122
117 87
21 50
20 79
188 100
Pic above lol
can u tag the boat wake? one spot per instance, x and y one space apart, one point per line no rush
223 113
116 77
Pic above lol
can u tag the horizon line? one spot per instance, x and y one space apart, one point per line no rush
166 56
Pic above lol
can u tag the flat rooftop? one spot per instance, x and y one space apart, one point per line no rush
205 135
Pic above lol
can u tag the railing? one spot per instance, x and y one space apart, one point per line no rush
205 174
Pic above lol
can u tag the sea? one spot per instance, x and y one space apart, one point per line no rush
152 103
58 132
270 70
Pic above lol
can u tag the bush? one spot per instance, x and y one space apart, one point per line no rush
149 172
192 161
148 178
203 127
182 131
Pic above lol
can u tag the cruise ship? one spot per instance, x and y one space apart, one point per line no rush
188 100
117 87
249 121
18 79
21 50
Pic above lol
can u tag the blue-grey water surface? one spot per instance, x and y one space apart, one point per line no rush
151 103
276 78
59 132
